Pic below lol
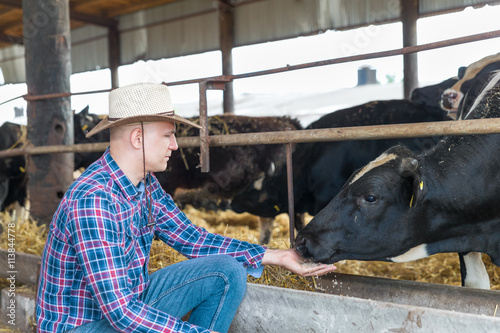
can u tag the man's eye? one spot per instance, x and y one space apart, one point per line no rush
370 198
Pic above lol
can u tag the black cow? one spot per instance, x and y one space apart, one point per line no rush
4 181
13 177
14 172
431 96
321 169
405 206
453 98
83 122
232 168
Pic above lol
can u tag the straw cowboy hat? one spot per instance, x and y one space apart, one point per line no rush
139 102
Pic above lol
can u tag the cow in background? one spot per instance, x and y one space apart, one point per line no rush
321 169
14 170
453 98
431 95
13 178
404 206
84 121
232 168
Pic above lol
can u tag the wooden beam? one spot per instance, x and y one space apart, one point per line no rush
75 15
137 5
4 38
91 19
12 3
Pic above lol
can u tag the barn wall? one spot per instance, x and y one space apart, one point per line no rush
177 29
12 64
190 27
89 48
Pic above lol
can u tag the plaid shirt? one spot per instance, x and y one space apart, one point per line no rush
95 261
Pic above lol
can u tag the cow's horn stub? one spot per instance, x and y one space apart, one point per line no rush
409 165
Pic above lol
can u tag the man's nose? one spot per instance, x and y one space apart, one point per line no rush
173 143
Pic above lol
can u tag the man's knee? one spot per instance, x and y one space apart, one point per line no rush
233 271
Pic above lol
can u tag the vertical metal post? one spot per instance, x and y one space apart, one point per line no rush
213 84
114 54
46 33
291 205
409 16
226 32
204 144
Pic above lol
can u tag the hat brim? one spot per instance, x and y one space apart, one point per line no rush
106 123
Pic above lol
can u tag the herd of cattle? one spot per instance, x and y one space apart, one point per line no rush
389 200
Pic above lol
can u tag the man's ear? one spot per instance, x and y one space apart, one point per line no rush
136 138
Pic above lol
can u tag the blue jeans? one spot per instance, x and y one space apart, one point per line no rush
212 288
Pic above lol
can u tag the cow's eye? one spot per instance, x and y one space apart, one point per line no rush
370 198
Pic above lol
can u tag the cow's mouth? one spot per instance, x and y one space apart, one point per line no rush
319 256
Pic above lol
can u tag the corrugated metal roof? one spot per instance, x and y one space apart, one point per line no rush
191 26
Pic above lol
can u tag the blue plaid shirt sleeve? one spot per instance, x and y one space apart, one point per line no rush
99 245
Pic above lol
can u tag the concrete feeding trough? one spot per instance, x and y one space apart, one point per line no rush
365 304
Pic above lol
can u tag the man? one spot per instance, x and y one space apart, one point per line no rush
94 273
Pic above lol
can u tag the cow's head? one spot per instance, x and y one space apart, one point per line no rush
452 97
430 96
367 220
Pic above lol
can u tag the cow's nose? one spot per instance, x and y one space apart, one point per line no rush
301 247
448 100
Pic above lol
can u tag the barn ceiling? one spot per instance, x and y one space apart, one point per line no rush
82 12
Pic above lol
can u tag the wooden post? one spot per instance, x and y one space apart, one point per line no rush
409 16
226 31
47 43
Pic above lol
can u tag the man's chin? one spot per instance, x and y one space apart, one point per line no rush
160 169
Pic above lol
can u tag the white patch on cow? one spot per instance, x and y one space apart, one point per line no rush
382 159
454 101
271 170
418 252
488 87
258 183
477 276
476 67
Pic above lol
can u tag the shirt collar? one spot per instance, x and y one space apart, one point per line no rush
129 190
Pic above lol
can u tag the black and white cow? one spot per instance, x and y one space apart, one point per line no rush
404 206
455 97
431 95
321 169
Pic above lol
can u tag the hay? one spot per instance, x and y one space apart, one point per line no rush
29 236
440 268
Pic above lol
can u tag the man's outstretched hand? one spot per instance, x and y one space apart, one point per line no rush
291 260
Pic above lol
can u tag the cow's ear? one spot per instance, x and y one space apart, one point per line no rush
409 169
